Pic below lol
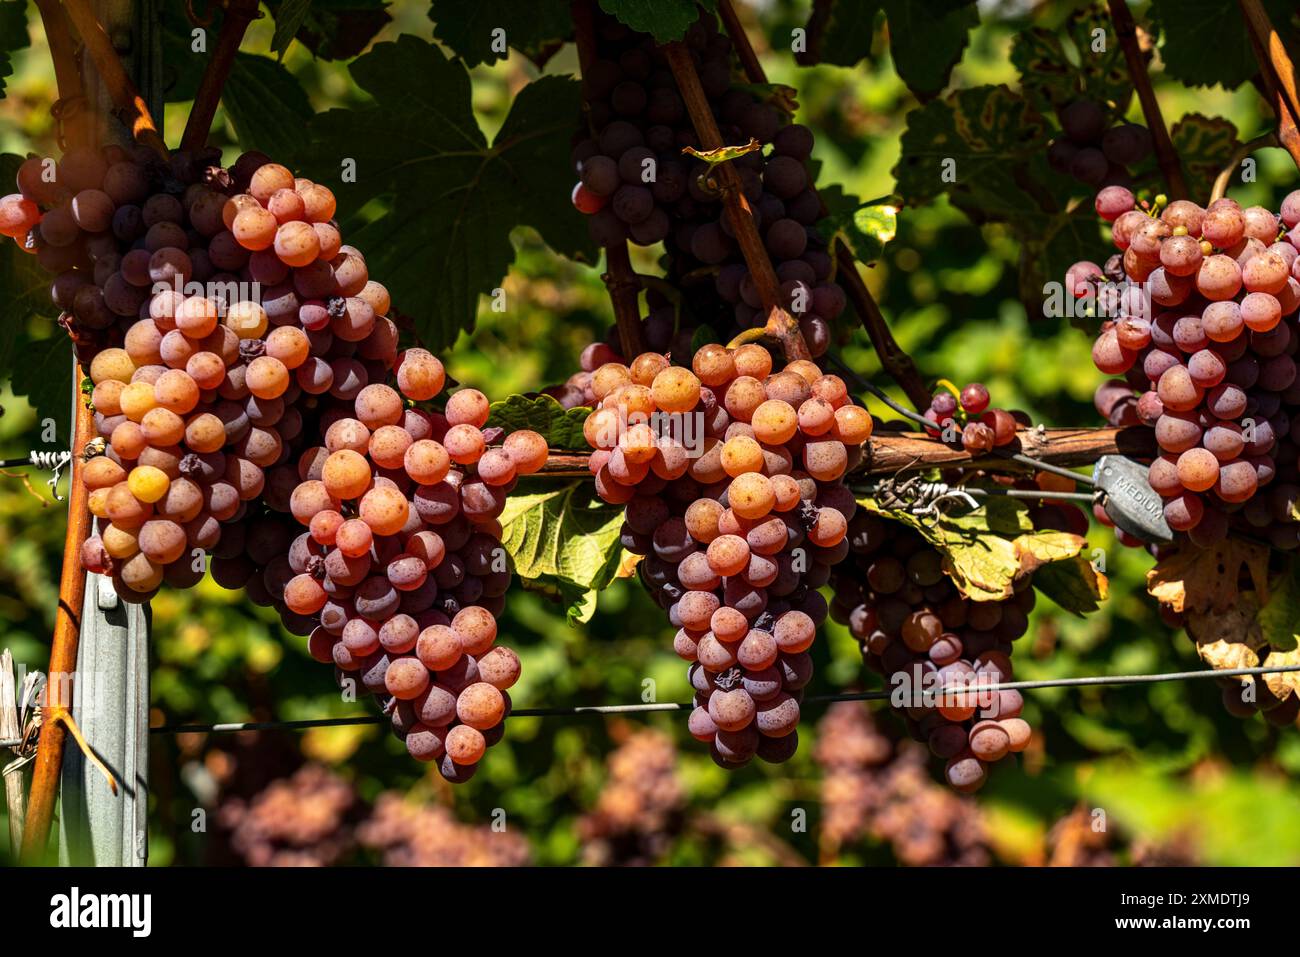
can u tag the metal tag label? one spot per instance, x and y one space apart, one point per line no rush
1129 499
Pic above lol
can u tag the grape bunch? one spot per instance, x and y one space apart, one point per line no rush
915 627
304 820
1203 329
406 834
967 417
1094 150
873 787
636 185
731 476
641 806
241 358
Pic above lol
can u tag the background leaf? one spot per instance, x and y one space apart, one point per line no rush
466 28
455 199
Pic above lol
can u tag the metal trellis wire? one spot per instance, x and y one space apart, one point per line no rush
654 707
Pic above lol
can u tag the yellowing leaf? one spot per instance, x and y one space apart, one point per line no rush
1287 681
627 565
722 153
1229 638
1042 547
1205 579
986 550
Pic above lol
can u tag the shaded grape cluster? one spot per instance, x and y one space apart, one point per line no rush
875 788
304 820
406 834
1094 149
920 633
636 185
731 476
640 809
1202 326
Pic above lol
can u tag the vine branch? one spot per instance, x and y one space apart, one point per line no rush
1166 158
1275 62
70 109
239 14
895 361
1269 79
888 453
130 106
780 324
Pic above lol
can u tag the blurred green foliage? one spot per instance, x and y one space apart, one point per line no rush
1160 760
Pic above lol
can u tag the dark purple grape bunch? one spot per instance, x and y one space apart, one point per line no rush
1093 149
636 185
967 418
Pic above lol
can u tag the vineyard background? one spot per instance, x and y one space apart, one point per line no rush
1179 779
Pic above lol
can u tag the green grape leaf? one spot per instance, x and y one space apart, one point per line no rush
984 148
446 238
1205 42
926 43
840 33
266 104
468 29
333 29
702 337
563 541
561 427
289 18
1093 65
1205 145
968 144
1073 583
723 153
1279 619
665 20
13 36
865 227
44 375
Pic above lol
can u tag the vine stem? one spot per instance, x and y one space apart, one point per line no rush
619 277
74 123
1275 61
1166 158
130 105
1269 79
239 14
781 326
888 453
893 359
1221 181
63 648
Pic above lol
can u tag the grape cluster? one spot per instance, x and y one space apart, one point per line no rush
872 787
636 185
641 805
428 835
968 419
304 820
732 480
1092 149
1203 305
241 358
914 627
